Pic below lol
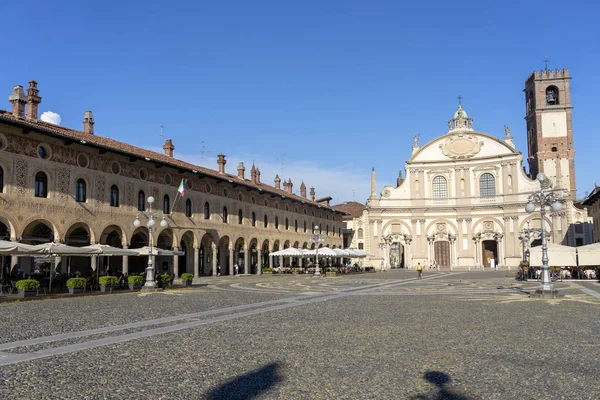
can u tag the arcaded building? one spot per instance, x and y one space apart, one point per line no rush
76 187
461 202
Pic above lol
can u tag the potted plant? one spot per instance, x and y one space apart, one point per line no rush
267 270
135 282
27 288
331 272
76 285
164 280
186 279
107 283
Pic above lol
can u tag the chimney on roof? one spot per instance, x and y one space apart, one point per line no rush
221 161
290 185
18 100
33 100
168 147
257 175
277 182
303 189
241 169
253 173
88 124
312 193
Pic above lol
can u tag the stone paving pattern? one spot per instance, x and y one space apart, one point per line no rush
394 342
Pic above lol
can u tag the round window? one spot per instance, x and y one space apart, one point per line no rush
168 179
253 200
143 174
189 184
240 197
266 203
83 160
276 205
43 152
225 192
208 188
2 142
115 167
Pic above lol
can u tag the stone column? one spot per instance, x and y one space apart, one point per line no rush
94 263
176 264
196 262
213 257
246 260
259 262
231 261
125 262
280 261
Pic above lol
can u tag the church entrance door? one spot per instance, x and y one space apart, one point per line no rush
490 252
441 251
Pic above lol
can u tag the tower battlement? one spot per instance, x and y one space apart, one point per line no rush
547 74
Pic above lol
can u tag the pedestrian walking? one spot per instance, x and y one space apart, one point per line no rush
419 270
235 269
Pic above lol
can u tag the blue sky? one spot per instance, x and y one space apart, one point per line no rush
311 79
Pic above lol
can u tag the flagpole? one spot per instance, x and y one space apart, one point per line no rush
180 189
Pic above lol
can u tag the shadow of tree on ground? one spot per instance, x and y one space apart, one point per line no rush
249 385
441 391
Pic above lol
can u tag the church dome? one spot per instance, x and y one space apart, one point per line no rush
460 113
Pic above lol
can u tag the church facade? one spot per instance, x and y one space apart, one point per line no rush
462 202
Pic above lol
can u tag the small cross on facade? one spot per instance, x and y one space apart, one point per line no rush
546 62
459 100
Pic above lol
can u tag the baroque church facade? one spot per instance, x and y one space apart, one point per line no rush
462 203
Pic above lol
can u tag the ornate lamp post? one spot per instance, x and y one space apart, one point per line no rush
545 198
150 283
318 239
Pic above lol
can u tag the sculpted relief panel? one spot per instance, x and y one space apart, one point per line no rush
461 146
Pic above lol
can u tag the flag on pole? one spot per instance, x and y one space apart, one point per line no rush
181 188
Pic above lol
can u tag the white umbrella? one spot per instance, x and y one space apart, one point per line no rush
323 251
589 255
341 253
289 252
60 249
14 248
106 250
156 251
558 255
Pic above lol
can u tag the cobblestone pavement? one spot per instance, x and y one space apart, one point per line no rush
454 335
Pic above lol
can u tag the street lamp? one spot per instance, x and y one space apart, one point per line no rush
318 239
544 198
150 283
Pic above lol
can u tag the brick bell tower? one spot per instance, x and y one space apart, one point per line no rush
549 127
